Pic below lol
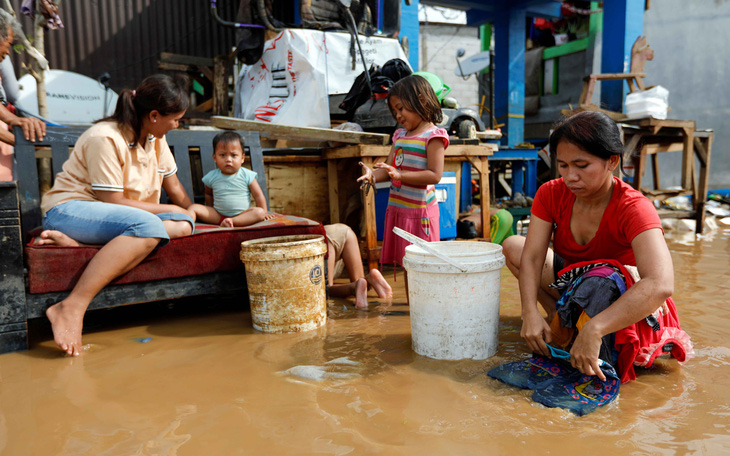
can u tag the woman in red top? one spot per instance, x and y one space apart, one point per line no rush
590 215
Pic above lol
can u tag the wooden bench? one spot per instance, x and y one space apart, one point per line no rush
204 263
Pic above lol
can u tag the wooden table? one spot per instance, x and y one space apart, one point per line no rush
648 137
477 155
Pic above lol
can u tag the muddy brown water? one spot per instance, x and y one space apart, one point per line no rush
187 381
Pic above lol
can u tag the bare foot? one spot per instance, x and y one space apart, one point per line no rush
67 325
53 237
361 294
228 222
382 288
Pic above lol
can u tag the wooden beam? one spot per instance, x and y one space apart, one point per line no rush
169 57
220 85
276 131
205 106
334 191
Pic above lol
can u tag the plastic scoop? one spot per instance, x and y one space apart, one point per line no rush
427 247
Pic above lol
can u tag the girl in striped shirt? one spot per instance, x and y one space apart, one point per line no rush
414 166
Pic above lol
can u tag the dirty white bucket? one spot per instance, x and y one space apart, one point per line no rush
286 282
454 314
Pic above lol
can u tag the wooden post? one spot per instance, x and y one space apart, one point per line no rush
44 166
703 149
334 191
221 72
371 235
688 156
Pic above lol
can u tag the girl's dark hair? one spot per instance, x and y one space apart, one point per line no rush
159 92
226 137
418 96
592 131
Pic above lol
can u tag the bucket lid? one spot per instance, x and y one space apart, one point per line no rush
474 256
436 82
283 247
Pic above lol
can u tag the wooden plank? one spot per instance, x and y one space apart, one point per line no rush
703 146
299 188
140 292
221 72
688 156
205 106
169 57
207 72
363 150
291 158
612 76
356 152
371 238
334 191
275 131
175 67
484 198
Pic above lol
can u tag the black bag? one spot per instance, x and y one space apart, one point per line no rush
382 79
395 70
359 92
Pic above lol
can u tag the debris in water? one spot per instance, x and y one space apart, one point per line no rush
343 360
317 373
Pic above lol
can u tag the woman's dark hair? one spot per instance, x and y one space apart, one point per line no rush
226 137
159 92
418 96
592 131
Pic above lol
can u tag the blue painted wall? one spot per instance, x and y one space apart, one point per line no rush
509 72
623 22
409 28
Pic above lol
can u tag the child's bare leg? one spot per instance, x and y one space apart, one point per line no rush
206 214
361 294
357 288
546 296
245 218
114 259
331 262
376 280
351 256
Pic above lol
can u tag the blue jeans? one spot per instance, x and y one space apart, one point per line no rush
96 223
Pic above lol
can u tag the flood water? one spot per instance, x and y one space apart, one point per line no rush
195 379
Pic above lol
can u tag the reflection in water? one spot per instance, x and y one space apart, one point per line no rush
204 382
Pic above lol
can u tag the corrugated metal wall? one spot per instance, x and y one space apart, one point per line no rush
125 37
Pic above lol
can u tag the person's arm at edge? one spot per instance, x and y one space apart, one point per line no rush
379 175
118 198
258 195
209 200
176 191
430 176
535 329
32 128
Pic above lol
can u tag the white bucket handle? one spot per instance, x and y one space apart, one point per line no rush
425 246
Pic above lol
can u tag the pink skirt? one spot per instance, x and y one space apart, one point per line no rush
424 223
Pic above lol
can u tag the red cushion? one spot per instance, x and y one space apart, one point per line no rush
210 249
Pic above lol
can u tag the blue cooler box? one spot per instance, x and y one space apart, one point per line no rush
445 195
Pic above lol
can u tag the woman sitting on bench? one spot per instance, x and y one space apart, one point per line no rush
109 194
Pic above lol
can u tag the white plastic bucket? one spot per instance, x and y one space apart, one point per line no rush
454 314
286 282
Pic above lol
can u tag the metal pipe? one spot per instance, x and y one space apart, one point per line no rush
214 12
